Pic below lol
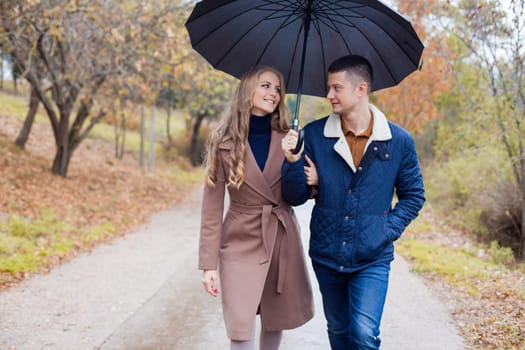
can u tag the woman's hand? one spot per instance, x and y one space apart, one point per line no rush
288 144
312 178
210 282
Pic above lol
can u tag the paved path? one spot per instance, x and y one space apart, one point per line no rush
143 292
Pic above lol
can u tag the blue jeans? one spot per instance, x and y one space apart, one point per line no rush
353 305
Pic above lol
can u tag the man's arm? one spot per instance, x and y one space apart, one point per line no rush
294 188
410 192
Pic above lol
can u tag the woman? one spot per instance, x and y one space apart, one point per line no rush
256 248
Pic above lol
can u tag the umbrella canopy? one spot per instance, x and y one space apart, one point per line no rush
302 37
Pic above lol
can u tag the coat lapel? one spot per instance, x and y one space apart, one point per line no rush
261 181
272 169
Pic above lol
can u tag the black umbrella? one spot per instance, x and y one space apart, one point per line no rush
301 38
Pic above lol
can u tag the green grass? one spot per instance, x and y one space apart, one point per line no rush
23 87
26 245
16 106
459 267
98 232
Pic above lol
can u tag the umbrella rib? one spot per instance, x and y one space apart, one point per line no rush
322 11
330 22
261 8
238 41
346 22
371 44
273 36
234 15
289 75
318 30
293 11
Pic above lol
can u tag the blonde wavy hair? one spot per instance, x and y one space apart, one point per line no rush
234 126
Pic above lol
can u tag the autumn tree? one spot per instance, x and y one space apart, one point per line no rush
78 48
190 83
413 102
491 36
204 93
153 37
57 41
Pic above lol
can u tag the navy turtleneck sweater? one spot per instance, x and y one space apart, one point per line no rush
259 136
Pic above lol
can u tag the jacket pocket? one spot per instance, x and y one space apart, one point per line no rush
323 227
373 238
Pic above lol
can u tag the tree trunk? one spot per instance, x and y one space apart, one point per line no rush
142 137
61 161
15 85
1 71
151 155
522 255
195 154
522 252
122 144
23 135
62 140
168 124
116 132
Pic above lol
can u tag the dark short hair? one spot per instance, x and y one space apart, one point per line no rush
354 65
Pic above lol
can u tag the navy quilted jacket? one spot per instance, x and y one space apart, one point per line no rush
354 222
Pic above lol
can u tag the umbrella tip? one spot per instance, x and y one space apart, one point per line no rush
420 66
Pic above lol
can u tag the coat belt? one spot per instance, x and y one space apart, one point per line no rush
271 215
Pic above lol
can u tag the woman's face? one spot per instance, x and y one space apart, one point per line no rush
267 94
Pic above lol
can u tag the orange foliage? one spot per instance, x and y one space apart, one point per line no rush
412 103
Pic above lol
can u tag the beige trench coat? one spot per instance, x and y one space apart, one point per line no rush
257 248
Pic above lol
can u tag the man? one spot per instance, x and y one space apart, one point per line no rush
355 160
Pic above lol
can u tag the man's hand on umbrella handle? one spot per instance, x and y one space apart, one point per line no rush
288 144
312 177
210 282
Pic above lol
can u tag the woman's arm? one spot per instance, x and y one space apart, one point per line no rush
211 221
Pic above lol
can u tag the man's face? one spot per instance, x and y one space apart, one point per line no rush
341 93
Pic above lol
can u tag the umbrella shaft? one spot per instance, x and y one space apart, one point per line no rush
307 20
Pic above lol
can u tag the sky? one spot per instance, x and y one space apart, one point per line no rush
7 71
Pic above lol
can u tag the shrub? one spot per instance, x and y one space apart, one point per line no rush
501 215
501 255
456 186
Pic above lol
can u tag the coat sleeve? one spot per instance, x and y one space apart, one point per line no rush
409 190
211 221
